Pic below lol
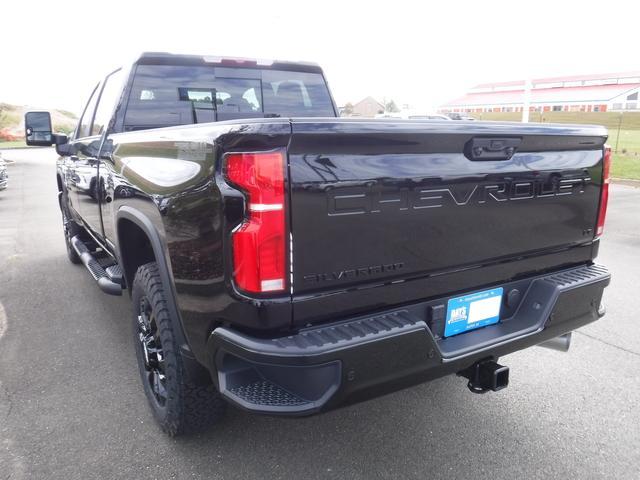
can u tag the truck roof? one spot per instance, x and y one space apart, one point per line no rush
165 58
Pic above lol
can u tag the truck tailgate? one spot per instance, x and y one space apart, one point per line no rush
383 201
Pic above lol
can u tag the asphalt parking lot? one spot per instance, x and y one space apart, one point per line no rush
71 404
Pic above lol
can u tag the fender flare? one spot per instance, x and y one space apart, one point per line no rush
142 221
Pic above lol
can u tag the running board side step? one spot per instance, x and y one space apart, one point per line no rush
109 280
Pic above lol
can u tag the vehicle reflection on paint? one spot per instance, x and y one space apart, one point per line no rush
84 177
4 176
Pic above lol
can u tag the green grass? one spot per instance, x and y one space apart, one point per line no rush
16 144
626 142
611 120
626 157
626 167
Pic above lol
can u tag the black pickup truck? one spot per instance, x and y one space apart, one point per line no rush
289 262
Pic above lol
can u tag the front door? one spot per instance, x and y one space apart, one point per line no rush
102 212
76 170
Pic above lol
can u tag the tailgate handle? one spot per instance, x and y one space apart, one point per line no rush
491 148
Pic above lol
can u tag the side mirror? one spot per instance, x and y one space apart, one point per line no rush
63 148
38 131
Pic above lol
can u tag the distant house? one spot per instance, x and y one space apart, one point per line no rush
367 107
583 93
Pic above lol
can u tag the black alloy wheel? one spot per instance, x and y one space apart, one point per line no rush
151 348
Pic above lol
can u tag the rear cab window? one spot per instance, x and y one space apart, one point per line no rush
168 95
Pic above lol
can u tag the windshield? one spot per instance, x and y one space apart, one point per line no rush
167 95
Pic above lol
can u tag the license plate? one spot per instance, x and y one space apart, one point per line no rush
473 311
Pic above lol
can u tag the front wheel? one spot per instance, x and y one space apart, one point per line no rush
178 405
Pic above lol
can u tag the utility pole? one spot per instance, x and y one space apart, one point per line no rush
527 100
618 135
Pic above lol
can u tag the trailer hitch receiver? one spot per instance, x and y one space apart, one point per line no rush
486 375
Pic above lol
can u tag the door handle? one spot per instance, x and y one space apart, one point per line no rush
491 148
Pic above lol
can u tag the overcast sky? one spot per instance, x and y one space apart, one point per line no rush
421 53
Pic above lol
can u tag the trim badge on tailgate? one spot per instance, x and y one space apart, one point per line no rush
353 273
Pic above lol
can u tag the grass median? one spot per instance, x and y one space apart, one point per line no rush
16 144
626 157
625 167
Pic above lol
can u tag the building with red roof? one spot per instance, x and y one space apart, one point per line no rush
582 93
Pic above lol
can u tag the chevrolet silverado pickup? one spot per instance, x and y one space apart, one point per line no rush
288 262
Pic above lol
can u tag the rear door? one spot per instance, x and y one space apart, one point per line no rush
384 201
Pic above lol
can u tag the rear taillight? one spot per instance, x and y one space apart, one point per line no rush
604 193
259 244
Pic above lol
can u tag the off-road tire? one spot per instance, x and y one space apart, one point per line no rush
187 407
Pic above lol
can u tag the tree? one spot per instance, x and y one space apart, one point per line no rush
348 108
3 108
390 106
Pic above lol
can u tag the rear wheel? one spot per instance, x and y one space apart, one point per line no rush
178 405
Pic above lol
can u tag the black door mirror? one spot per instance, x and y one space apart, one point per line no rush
65 149
38 129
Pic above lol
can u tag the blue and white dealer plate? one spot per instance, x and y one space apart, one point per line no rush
473 311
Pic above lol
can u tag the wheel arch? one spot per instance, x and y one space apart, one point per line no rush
139 243
134 226
136 247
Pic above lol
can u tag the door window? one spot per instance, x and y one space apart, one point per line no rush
108 100
84 128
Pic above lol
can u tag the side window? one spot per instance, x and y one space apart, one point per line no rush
87 115
108 99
